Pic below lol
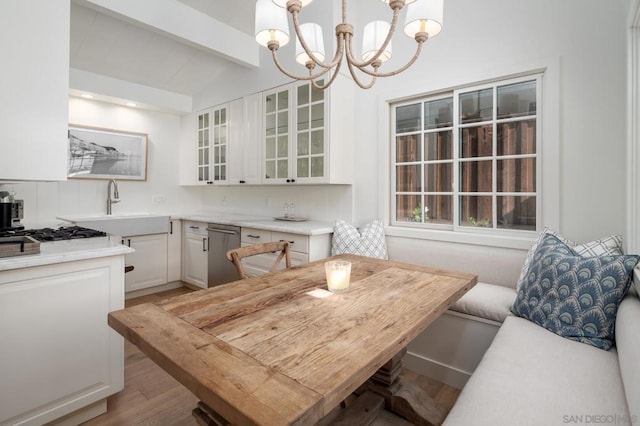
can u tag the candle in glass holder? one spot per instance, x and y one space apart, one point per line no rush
338 275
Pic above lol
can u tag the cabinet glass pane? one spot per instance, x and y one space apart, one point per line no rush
317 166
216 117
270 125
216 135
303 94
223 154
317 142
200 138
271 148
270 103
303 167
216 155
205 156
476 106
283 168
223 134
303 144
408 178
270 169
283 146
516 100
303 118
408 118
283 100
223 116
283 122
200 153
200 174
223 172
317 94
317 116
206 174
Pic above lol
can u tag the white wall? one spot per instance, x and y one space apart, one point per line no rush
44 201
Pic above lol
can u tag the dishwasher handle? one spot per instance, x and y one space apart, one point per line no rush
221 231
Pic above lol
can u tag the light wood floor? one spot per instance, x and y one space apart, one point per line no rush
152 397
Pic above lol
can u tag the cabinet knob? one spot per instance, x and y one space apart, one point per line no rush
242 181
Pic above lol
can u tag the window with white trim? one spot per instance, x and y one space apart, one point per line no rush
468 159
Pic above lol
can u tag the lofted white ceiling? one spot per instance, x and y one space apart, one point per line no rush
116 47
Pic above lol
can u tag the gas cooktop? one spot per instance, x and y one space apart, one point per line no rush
51 234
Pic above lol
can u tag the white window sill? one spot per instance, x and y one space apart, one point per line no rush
460 237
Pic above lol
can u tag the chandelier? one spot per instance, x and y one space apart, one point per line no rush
423 20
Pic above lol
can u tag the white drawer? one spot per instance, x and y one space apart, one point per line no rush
255 236
298 242
199 228
261 263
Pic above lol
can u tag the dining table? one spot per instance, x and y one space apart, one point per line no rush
280 349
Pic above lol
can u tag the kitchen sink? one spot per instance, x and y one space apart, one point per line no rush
125 224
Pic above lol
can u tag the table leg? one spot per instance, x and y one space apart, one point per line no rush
404 396
207 416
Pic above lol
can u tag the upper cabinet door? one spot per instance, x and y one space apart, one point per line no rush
277 135
34 40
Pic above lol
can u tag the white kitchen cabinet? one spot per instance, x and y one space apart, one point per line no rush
34 113
174 250
195 249
149 261
58 354
213 144
308 134
303 248
245 140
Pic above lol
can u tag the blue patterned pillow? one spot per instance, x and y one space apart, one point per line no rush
573 296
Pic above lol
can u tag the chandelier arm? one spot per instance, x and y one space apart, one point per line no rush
337 57
392 28
311 76
353 73
333 77
375 73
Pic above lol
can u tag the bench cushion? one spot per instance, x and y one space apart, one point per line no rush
628 346
488 301
530 376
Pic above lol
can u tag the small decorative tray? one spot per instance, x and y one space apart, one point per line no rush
292 219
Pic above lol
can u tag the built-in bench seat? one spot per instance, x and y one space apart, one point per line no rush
532 376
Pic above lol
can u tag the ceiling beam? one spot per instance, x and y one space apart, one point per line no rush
184 24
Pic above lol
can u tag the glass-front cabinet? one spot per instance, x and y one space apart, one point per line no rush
295 153
213 137
290 134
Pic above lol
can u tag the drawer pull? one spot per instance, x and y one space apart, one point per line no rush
253 236
289 241
194 227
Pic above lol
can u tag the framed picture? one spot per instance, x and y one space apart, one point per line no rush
96 153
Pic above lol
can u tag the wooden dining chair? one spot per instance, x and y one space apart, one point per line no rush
236 255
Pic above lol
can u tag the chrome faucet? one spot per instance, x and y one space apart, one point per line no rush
116 196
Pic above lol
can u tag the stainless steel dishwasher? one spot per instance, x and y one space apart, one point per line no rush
221 239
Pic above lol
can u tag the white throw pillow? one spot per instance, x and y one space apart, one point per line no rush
369 242
608 246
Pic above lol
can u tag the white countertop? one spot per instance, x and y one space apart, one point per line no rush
66 251
309 227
